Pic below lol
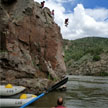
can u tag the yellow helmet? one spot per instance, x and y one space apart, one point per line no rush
23 96
9 86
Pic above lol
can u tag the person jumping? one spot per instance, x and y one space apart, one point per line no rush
66 22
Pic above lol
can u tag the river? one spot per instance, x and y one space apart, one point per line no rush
82 92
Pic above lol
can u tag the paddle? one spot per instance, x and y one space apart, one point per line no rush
62 82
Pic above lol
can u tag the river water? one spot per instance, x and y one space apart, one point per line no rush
82 92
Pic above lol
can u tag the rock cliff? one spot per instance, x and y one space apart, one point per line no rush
31 52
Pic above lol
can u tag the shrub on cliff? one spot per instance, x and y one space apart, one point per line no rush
96 58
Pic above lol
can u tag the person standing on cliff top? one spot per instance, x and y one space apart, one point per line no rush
42 4
52 13
59 103
66 22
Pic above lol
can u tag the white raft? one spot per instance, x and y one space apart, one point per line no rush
9 90
16 102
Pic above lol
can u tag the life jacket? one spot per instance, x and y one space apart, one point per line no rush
60 107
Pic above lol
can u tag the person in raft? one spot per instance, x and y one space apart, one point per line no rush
59 103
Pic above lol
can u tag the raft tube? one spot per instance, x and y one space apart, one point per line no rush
10 90
4 102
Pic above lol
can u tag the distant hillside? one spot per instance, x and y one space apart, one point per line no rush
87 56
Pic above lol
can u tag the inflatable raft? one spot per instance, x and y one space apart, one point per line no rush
9 90
4 102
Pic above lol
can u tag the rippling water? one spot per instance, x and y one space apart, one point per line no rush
82 92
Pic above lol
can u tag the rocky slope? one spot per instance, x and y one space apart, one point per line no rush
87 56
31 52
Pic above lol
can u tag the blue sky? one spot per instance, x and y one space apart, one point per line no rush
87 4
94 3
86 17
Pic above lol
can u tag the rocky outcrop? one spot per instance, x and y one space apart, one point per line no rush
90 67
30 45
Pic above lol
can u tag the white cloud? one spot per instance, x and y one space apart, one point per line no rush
82 22
99 14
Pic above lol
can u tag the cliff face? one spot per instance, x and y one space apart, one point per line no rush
30 45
